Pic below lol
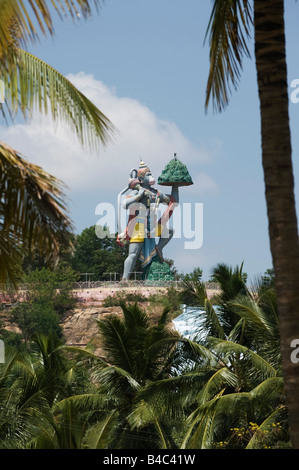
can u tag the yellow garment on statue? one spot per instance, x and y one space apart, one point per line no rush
138 233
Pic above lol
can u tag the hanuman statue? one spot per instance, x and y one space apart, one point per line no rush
143 228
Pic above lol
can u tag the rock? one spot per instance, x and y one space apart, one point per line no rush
80 326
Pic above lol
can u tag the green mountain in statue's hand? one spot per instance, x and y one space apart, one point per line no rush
175 174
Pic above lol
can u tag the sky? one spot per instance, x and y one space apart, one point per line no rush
145 65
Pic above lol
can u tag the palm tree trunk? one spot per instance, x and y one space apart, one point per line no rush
279 183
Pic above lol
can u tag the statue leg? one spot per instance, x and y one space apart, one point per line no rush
164 240
130 262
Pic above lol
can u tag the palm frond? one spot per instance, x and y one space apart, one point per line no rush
32 211
116 382
142 414
32 84
228 30
134 316
250 310
220 380
199 351
207 422
231 280
85 403
99 435
200 425
115 342
278 415
193 292
268 389
171 395
209 323
21 22
237 333
234 350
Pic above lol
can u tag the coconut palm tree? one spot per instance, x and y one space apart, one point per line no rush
33 213
30 384
46 400
232 282
229 32
135 353
32 209
248 388
233 381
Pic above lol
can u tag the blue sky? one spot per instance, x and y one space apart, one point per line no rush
145 65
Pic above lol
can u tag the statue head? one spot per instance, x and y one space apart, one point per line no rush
144 175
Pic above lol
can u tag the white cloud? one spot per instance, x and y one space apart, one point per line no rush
141 134
204 184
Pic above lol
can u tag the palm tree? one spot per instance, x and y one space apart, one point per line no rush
248 388
138 359
33 213
136 353
232 282
229 29
234 379
29 386
151 387
46 399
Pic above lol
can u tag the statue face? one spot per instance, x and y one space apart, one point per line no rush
148 179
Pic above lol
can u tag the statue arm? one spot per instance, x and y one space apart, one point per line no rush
175 193
134 196
165 198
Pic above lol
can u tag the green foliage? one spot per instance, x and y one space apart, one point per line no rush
169 299
34 215
193 292
151 387
37 260
52 286
137 353
11 338
268 278
194 276
228 31
48 296
232 282
36 317
123 296
97 255
35 385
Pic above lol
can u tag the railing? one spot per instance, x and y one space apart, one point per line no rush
136 283
131 283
